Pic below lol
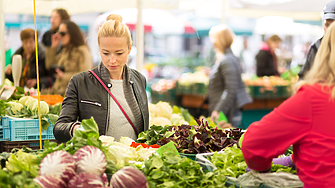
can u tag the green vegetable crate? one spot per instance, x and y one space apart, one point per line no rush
262 92
19 129
196 89
167 96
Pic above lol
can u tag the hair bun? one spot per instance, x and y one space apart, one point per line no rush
114 17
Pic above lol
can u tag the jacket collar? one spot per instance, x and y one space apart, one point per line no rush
103 71
228 51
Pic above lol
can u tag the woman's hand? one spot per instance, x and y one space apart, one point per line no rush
75 127
31 83
55 39
8 69
215 116
59 73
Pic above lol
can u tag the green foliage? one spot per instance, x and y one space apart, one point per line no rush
170 170
230 162
151 136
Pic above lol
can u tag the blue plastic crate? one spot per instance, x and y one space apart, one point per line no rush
4 129
28 129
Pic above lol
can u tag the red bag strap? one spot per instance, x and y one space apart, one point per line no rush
110 93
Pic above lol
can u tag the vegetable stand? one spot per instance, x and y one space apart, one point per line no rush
161 167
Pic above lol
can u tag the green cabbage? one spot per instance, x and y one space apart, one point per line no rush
162 121
15 106
24 99
43 105
163 109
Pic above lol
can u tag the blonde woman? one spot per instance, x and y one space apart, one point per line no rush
112 93
226 90
306 121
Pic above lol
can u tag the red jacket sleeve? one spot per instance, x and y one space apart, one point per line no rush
275 132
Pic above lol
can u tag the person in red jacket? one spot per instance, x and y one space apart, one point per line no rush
306 121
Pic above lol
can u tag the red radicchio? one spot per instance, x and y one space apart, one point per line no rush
104 179
49 181
90 159
129 177
59 164
87 180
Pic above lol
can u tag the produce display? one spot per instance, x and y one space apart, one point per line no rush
269 87
163 114
193 78
91 160
163 85
27 107
267 81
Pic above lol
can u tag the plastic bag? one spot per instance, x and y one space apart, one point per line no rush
275 179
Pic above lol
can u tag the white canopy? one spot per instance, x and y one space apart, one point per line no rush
296 9
45 7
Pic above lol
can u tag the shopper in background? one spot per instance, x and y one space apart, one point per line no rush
247 57
87 97
57 17
27 51
306 121
75 56
327 18
266 60
226 90
8 55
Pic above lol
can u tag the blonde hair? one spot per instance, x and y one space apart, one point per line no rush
113 27
222 36
323 68
274 38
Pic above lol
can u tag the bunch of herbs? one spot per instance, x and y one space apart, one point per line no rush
200 139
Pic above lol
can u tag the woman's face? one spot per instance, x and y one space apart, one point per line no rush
274 44
28 45
65 36
114 52
55 20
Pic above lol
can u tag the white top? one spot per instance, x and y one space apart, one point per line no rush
118 123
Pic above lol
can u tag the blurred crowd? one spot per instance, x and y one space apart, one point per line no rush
63 52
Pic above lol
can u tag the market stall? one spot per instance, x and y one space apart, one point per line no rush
180 152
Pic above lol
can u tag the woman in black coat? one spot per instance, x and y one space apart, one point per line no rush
266 60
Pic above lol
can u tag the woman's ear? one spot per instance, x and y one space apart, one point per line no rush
129 50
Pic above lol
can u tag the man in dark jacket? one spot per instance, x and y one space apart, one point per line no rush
328 18
27 52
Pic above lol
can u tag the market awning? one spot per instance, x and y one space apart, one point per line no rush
158 22
202 25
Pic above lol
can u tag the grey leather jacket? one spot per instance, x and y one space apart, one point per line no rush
226 90
86 97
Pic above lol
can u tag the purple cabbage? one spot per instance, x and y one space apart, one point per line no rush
90 159
58 164
86 180
129 177
49 181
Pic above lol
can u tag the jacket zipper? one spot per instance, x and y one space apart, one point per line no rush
139 103
89 102
107 122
